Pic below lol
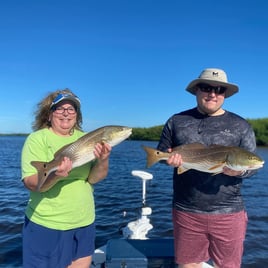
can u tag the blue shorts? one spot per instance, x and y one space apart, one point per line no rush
44 247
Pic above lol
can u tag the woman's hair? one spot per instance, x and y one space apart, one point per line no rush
43 111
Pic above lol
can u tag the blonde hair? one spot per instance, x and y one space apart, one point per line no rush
43 111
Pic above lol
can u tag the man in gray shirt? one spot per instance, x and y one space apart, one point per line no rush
208 212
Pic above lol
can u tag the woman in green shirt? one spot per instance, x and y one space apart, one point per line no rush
59 226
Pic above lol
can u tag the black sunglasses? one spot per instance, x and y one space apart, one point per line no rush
208 88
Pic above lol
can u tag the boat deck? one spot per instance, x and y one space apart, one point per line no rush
136 253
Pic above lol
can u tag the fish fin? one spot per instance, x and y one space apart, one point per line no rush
216 145
152 157
216 173
181 170
192 146
217 166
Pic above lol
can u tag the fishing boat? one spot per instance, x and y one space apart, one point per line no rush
135 249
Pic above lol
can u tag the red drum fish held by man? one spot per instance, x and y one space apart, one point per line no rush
210 159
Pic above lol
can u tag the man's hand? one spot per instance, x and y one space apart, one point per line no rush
174 160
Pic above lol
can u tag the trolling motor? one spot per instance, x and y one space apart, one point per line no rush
138 229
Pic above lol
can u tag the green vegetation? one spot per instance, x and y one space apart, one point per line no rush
13 134
149 134
260 127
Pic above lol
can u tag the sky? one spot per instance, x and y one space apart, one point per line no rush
129 61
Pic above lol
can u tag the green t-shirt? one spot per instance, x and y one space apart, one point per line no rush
69 203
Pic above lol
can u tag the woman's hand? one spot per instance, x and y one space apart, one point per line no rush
100 169
102 151
64 168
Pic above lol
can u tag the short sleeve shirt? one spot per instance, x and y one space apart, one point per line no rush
200 192
69 203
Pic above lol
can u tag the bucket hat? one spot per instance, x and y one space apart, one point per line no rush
213 77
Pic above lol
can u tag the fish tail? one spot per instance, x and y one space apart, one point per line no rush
42 172
152 156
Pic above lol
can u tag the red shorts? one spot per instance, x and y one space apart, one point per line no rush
200 237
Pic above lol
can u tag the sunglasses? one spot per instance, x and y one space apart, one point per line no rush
208 88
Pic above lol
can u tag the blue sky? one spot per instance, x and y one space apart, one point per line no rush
129 61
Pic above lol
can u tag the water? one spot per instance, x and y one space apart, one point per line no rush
121 194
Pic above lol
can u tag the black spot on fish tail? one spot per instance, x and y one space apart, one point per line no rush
41 168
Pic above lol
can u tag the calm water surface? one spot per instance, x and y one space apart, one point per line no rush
119 197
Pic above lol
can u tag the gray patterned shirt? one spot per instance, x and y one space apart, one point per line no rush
200 192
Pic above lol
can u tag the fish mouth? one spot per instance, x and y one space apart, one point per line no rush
129 132
255 166
126 132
